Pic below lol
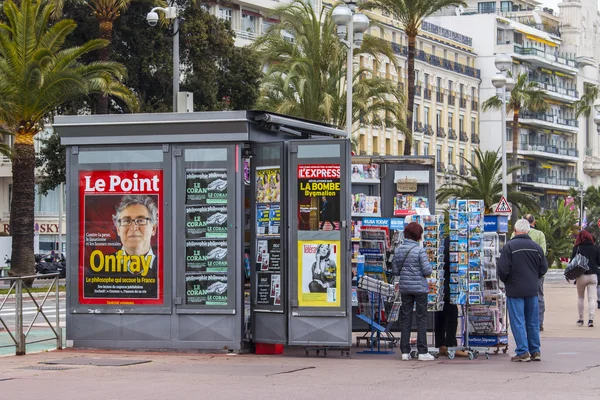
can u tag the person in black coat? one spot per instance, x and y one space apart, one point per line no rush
446 321
589 280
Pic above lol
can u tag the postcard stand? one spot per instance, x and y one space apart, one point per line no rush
466 265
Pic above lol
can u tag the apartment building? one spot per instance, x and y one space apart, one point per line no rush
46 207
446 114
550 144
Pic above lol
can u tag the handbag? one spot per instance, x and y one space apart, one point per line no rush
577 266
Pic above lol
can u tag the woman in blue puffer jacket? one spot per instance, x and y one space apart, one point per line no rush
411 264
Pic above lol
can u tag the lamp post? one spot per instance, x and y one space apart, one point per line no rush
581 193
350 26
170 13
504 85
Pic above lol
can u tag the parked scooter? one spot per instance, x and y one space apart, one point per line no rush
49 264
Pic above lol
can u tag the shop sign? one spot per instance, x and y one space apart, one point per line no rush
43 228
406 185
121 239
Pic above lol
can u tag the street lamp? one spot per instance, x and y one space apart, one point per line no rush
352 26
170 13
504 85
581 193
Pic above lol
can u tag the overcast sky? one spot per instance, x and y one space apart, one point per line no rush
553 4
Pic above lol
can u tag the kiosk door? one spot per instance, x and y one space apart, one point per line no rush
318 250
268 255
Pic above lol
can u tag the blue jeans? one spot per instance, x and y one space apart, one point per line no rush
525 323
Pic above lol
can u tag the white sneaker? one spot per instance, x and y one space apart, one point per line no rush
426 357
405 357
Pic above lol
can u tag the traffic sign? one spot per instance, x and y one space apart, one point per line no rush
503 207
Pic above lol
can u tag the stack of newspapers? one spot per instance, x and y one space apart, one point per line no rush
375 285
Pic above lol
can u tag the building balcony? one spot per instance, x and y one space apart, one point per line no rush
475 138
542 59
474 105
462 102
547 151
464 171
427 94
439 97
557 92
428 130
463 137
438 61
418 90
452 134
441 167
547 181
451 100
418 127
591 165
5 167
548 121
441 133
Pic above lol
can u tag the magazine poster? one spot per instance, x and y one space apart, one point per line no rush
208 289
206 221
121 237
319 273
365 172
268 183
206 186
268 219
206 255
318 197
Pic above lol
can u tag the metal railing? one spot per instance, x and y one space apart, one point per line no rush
20 332
549 148
547 179
441 167
462 102
439 97
474 105
475 138
463 136
552 118
248 35
452 134
418 90
446 33
451 100
427 94
552 57
552 87
428 130
441 133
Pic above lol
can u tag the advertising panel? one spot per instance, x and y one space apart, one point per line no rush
121 237
319 273
318 197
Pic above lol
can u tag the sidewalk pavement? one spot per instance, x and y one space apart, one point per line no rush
570 368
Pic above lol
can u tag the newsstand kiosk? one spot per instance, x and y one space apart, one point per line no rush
206 231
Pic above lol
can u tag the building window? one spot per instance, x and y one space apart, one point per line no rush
375 144
426 116
438 153
425 149
416 113
450 155
508 134
393 37
426 79
450 120
248 23
461 160
473 158
225 13
461 123
267 24
400 147
438 119
506 6
488 7
461 89
473 125
450 86
416 77
388 147
416 148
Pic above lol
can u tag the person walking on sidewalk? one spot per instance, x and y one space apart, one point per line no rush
522 263
589 280
411 265
539 238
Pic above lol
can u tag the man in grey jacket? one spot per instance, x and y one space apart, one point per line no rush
412 266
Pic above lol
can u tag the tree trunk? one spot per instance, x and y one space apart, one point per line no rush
412 39
22 205
515 143
106 34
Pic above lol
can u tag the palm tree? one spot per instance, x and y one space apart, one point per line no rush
583 106
37 75
526 95
485 183
411 14
559 226
306 76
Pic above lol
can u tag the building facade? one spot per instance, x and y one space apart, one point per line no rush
446 114
551 144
